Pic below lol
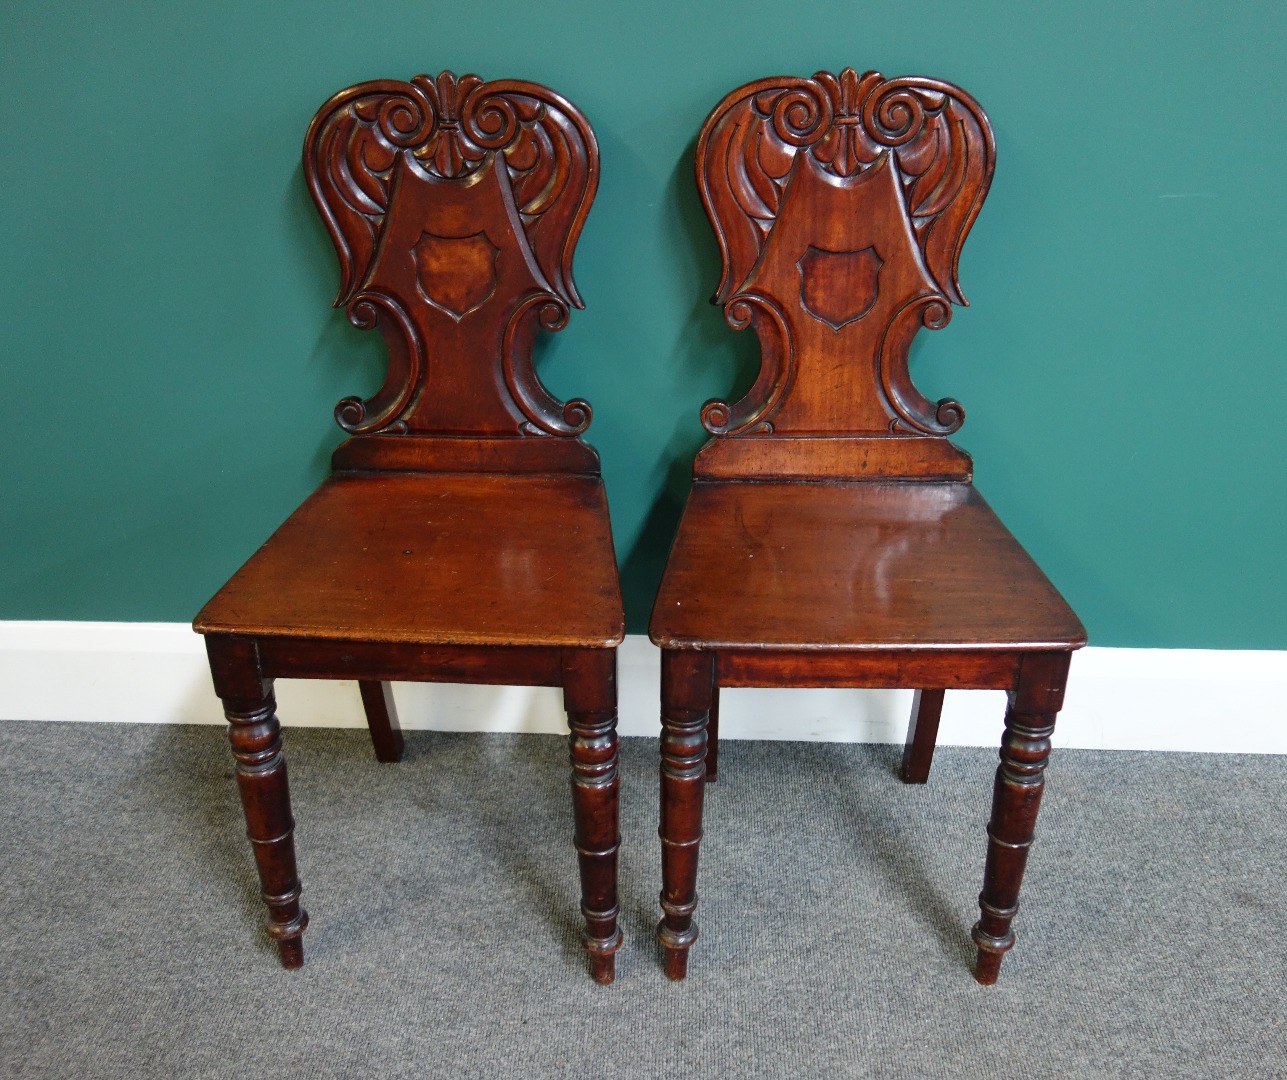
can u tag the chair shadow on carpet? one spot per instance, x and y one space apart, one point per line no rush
465 847
842 838
466 839
903 864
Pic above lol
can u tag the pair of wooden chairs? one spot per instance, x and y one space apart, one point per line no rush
832 536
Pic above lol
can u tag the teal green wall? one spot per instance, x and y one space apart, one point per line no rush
170 360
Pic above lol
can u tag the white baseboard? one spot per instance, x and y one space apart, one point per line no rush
1118 699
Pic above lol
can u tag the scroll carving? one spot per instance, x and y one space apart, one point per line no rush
455 206
842 202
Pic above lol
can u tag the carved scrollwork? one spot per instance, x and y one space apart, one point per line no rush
406 363
913 412
938 134
841 204
754 412
453 132
544 413
450 126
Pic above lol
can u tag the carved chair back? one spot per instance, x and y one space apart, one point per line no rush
841 204
455 206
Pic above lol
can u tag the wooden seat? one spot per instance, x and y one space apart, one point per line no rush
833 536
463 535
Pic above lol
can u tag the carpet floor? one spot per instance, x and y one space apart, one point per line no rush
835 915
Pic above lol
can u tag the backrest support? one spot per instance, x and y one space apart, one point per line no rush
841 204
455 206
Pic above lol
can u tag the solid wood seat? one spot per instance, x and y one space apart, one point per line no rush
852 566
833 536
472 559
463 535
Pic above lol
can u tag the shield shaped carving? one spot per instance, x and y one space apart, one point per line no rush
456 274
839 287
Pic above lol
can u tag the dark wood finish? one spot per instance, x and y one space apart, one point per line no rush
455 206
890 669
382 719
590 697
256 739
833 536
434 559
463 535
922 732
1016 797
712 739
687 692
852 565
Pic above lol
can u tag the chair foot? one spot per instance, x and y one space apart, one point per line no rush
675 945
603 968
603 954
289 931
987 964
676 964
291 953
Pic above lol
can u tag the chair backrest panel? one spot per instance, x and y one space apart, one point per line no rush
841 204
455 206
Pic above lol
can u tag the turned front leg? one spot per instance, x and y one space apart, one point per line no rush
687 692
590 697
255 736
1020 780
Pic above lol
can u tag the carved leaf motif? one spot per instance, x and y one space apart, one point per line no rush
937 134
876 183
449 126
515 143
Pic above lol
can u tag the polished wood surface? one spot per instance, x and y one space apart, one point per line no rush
463 535
840 204
833 536
852 565
455 206
382 719
455 558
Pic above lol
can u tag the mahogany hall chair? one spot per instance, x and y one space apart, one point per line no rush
463 533
833 536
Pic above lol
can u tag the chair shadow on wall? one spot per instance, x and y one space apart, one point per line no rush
342 359
705 355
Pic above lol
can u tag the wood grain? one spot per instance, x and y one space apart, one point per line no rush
832 536
454 558
463 535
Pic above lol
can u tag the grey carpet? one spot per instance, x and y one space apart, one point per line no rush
835 915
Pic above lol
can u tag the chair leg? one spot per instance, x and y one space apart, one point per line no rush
922 731
256 741
382 719
712 739
1020 779
590 697
687 692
